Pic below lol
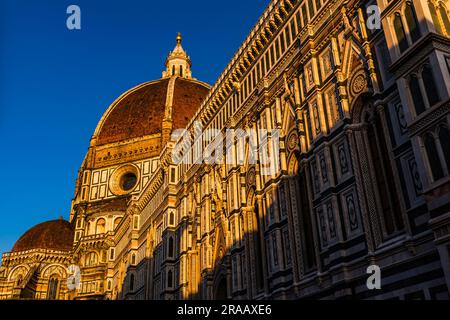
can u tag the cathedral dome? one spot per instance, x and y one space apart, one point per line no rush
53 235
140 111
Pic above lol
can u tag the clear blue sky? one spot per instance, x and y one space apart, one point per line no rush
55 84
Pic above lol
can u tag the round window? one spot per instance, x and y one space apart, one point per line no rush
128 181
124 180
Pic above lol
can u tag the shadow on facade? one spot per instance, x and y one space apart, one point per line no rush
169 282
332 216
308 237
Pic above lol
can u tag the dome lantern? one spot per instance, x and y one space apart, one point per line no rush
178 63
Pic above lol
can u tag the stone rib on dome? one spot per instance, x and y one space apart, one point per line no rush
187 99
51 235
140 111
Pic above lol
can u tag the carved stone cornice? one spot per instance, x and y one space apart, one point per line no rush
416 53
36 256
152 188
429 118
268 25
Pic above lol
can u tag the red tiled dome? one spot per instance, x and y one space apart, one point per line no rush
53 235
140 111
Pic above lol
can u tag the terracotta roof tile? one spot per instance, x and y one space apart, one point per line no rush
141 111
187 98
54 235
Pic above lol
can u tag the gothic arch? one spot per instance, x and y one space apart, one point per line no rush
353 50
375 172
355 69
293 164
221 266
221 288
254 232
302 214
359 107
54 269
288 118
220 245
248 162
251 194
21 270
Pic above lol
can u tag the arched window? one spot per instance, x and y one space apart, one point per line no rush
305 221
117 222
136 222
430 85
171 247
100 226
311 8
384 178
53 285
444 138
133 259
416 94
181 71
170 279
19 280
444 16
173 70
171 219
411 20
91 259
258 249
103 255
400 33
433 157
132 282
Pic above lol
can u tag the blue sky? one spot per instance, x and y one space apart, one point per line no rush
55 84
